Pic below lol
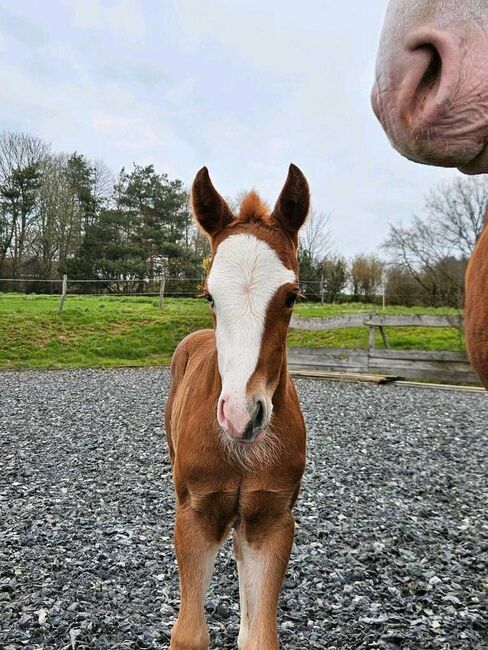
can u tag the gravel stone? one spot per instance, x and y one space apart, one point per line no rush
391 549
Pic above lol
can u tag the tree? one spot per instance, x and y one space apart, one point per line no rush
334 278
109 252
315 237
402 289
148 232
314 251
435 247
21 160
161 214
68 206
458 209
366 276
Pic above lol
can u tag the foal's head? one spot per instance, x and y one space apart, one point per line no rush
252 286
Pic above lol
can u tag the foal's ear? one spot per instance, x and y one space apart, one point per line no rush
210 209
292 206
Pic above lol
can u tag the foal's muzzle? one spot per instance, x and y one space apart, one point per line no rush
245 423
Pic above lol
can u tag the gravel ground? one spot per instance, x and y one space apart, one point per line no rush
391 546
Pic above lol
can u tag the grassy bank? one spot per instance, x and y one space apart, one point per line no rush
119 331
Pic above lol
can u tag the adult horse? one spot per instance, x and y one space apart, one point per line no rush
235 430
431 96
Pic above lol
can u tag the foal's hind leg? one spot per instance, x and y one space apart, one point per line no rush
195 552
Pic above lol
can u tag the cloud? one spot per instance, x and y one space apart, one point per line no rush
245 87
123 19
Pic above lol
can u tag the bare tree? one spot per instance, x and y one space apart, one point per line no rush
458 209
434 248
55 231
21 159
315 237
103 181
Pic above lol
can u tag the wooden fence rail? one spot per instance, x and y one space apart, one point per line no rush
451 367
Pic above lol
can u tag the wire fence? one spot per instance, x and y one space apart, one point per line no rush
171 286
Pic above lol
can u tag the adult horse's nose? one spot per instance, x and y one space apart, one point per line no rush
415 86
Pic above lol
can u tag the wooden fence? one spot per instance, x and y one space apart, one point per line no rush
451 367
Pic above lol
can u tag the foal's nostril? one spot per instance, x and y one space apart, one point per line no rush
220 411
255 425
258 418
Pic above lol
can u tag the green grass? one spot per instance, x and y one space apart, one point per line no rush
120 331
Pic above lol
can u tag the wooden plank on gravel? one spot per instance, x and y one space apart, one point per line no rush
422 384
343 376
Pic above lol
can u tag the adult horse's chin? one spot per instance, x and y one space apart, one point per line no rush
478 165
431 87
433 143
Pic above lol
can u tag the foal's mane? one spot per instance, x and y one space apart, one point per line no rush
254 210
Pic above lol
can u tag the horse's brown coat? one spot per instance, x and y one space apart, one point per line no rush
476 308
214 491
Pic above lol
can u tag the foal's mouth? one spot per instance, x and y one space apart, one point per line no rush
256 438
246 440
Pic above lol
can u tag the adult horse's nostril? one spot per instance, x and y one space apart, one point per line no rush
428 76
433 73
416 84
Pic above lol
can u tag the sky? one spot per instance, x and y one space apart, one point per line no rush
242 86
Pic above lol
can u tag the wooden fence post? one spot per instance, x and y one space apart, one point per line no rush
162 283
372 334
63 294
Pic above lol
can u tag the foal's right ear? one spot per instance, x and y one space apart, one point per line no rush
292 206
210 209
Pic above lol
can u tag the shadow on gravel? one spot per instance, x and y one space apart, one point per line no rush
391 546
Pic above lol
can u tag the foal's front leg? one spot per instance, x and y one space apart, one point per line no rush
196 550
262 551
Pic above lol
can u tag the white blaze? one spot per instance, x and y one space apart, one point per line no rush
246 273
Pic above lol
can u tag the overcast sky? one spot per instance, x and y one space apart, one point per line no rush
242 86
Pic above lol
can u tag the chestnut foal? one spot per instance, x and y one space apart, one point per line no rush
233 421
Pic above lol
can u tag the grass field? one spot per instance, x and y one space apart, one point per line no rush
125 331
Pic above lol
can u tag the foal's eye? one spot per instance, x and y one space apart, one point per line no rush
209 299
291 299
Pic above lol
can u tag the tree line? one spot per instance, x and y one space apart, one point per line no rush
421 263
64 213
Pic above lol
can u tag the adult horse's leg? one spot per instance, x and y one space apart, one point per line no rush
195 552
263 546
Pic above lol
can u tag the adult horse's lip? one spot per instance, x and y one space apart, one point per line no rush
478 165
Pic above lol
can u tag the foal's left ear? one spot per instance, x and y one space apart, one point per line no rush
210 209
293 203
